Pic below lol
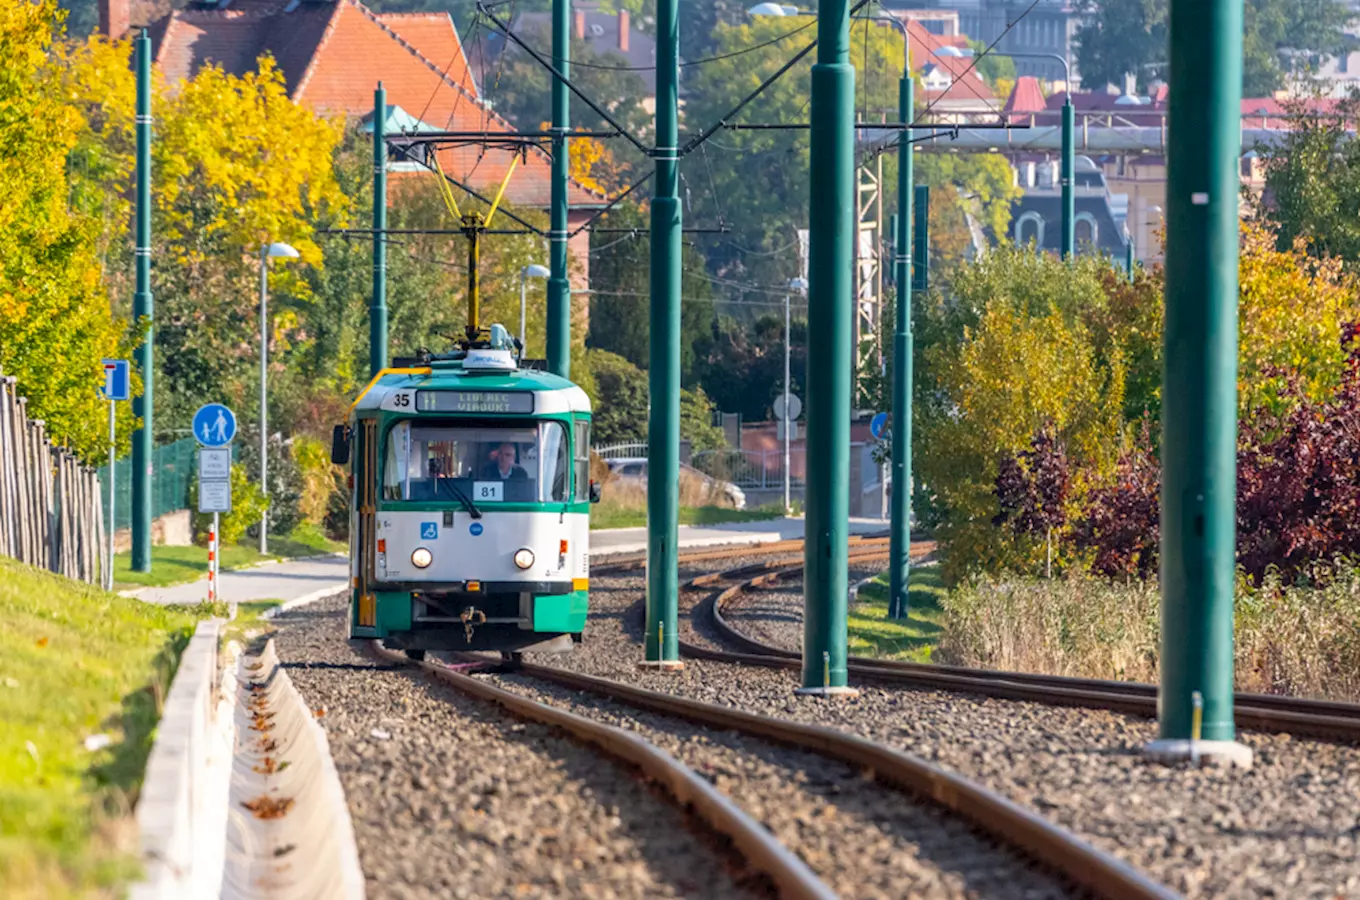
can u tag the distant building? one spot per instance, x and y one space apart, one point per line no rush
1047 28
1101 218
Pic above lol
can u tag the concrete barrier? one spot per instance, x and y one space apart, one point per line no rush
289 833
181 813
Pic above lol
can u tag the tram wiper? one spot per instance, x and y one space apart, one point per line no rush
466 500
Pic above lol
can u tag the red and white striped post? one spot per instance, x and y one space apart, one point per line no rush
212 561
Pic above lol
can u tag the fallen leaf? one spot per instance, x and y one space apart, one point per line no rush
268 807
42 642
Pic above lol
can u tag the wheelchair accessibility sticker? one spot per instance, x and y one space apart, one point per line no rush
429 531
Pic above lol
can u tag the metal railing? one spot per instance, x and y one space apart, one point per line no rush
622 451
751 468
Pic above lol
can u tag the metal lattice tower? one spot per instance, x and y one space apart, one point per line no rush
868 266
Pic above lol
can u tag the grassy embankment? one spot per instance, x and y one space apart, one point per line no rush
176 565
75 663
915 638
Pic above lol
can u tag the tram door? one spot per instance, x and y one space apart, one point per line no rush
365 497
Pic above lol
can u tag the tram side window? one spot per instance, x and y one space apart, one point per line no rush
554 461
582 458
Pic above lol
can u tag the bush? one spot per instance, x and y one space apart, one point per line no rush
1291 638
285 481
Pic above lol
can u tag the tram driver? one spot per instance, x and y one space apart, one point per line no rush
501 466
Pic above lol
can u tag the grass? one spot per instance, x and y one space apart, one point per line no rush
607 516
75 662
915 639
176 565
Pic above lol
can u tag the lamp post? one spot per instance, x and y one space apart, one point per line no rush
530 271
799 285
287 252
1069 157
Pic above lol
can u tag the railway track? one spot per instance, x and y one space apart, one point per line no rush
1332 720
1011 829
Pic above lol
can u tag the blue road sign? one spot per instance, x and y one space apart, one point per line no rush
214 425
117 380
475 529
878 425
429 531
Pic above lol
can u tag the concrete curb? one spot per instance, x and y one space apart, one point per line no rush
289 832
181 812
305 599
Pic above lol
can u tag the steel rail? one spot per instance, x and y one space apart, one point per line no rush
1004 820
1266 712
761 850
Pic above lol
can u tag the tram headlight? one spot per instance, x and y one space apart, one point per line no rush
524 557
421 558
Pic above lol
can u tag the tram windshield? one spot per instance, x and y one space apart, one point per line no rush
512 463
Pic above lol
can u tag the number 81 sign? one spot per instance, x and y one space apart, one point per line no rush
486 490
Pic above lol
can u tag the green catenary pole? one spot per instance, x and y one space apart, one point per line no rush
1130 260
377 310
920 236
830 354
559 287
1199 395
143 310
899 543
1069 164
662 646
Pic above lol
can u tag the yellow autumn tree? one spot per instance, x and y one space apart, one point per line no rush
55 319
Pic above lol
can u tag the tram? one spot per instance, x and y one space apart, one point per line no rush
469 514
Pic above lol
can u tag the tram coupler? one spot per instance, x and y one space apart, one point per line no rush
470 617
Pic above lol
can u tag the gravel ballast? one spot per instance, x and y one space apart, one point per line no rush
1289 827
451 797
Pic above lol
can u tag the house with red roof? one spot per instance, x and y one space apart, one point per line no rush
333 53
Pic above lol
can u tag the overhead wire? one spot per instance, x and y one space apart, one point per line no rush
684 64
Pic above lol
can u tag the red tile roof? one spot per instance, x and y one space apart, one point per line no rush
332 53
925 47
1026 97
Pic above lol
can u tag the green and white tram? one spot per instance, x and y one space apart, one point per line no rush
470 501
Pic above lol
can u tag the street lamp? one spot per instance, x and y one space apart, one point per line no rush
1069 158
533 270
287 252
799 285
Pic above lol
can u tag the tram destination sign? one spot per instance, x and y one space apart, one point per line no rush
475 402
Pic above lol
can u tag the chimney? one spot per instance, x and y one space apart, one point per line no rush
115 18
624 27
1130 84
579 25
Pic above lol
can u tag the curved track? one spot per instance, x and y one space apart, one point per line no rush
1273 713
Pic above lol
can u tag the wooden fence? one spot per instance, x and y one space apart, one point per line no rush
51 510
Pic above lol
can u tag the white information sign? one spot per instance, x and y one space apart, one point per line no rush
489 491
214 496
214 464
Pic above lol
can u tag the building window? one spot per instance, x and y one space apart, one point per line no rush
1086 230
1029 229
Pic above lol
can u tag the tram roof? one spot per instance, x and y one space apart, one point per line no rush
452 376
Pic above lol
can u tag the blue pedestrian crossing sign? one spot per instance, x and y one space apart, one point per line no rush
878 425
117 380
214 425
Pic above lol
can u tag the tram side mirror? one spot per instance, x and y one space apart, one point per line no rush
595 492
340 445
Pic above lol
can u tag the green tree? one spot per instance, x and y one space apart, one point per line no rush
1312 184
620 318
1130 36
